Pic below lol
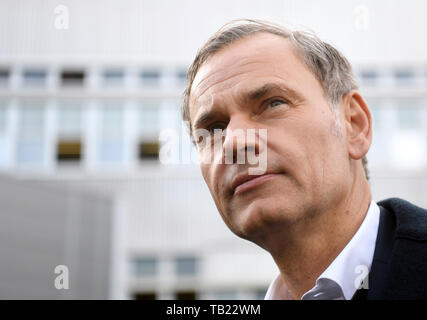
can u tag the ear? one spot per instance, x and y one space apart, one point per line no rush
358 124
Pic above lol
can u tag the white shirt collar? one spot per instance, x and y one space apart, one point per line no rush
352 260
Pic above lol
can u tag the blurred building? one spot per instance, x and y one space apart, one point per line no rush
43 228
83 113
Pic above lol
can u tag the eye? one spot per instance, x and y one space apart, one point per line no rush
217 126
276 102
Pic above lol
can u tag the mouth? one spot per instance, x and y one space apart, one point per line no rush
246 182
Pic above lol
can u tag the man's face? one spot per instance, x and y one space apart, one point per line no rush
259 83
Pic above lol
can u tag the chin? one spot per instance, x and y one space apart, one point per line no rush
257 219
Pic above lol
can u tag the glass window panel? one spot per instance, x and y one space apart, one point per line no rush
70 121
112 122
31 122
150 77
3 128
260 294
145 266
30 135
409 150
145 296
111 151
3 114
34 77
2 152
149 120
225 295
149 150
409 117
29 152
404 77
181 76
376 117
111 148
369 77
186 295
72 77
4 77
69 150
186 266
113 77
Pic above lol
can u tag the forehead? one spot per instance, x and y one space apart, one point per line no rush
246 62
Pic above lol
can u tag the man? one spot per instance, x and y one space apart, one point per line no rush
311 208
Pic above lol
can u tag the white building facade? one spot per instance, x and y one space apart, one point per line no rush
83 107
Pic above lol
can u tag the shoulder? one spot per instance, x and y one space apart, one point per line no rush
411 220
405 269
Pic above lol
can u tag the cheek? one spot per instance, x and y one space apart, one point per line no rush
325 150
309 148
214 181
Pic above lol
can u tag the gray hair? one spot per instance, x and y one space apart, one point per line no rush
328 65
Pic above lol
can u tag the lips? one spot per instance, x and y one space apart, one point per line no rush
245 181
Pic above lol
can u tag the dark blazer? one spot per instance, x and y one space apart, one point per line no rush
399 266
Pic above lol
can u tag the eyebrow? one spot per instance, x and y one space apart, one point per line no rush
250 96
204 118
260 92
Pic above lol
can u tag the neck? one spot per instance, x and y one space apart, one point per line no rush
307 248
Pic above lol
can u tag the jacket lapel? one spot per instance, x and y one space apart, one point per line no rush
381 261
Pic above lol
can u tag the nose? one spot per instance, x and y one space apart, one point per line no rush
241 138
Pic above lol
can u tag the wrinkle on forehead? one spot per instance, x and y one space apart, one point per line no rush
220 75
222 71
206 101
220 81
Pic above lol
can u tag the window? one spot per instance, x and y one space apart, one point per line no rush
375 113
404 77
3 113
31 120
408 146
69 150
145 296
30 134
145 266
185 295
70 121
186 266
4 77
69 147
149 119
112 121
181 76
150 78
113 77
369 77
260 294
111 144
34 77
409 117
111 151
380 110
72 78
29 152
149 150
224 295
